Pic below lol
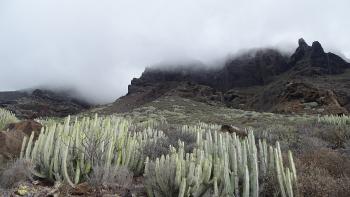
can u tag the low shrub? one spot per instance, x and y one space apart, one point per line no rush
335 135
317 182
323 172
173 134
333 162
16 172
154 149
113 177
287 135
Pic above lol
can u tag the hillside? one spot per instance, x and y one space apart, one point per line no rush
36 103
309 81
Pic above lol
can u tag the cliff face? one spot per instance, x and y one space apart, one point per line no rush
311 60
257 68
263 80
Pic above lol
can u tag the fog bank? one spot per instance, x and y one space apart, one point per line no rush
97 47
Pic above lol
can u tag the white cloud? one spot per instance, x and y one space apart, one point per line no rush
98 46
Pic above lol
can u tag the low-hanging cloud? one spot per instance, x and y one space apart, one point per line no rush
97 47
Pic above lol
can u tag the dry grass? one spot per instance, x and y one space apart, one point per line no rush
323 172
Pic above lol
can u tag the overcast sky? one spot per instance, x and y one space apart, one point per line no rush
98 46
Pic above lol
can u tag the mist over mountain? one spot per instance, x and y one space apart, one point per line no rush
258 80
97 47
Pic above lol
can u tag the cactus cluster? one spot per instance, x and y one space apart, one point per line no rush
221 165
334 120
69 151
6 117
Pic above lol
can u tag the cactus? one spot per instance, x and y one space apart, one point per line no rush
64 151
221 165
334 120
6 117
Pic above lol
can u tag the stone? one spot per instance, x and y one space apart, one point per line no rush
11 143
11 139
311 104
233 129
25 126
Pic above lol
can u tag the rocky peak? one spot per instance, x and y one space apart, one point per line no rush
302 44
258 67
317 48
312 60
254 80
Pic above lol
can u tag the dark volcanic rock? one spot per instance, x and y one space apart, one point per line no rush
253 68
41 103
231 129
256 80
298 97
312 60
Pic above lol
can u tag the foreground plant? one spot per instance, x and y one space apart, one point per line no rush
222 165
6 117
334 120
68 151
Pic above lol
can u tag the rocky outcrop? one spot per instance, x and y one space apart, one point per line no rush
299 97
233 129
312 60
253 68
11 143
11 139
256 80
26 127
41 103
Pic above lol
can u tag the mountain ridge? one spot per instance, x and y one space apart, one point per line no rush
30 104
268 80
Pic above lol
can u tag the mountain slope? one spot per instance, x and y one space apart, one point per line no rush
41 103
309 81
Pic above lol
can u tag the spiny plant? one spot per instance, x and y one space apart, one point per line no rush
334 120
222 165
6 117
68 151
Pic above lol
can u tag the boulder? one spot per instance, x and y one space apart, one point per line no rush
11 139
11 143
26 126
233 129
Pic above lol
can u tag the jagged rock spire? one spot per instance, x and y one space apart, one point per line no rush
302 43
312 59
317 47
